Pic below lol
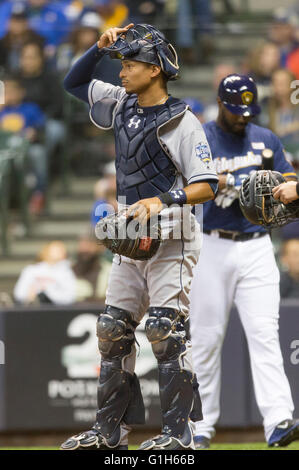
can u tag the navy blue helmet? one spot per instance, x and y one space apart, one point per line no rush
145 43
239 95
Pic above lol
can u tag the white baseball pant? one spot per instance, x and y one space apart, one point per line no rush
244 274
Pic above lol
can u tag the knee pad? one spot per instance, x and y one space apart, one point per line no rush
115 331
161 330
160 324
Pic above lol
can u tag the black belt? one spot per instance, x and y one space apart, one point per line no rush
236 236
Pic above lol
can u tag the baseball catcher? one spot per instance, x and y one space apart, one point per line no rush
163 166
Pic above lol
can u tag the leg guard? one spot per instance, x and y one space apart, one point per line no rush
165 330
119 394
120 401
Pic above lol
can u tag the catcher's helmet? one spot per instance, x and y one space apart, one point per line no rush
145 43
257 202
239 95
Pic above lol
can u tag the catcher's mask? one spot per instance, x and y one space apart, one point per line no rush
145 43
257 202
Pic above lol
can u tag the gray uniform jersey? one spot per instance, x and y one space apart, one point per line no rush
185 142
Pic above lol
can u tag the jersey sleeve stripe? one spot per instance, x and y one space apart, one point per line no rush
205 176
290 174
92 84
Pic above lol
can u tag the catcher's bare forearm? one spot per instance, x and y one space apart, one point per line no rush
198 193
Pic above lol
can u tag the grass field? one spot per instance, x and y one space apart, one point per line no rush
245 446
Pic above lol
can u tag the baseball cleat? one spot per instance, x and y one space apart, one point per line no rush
165 441
285 432
201 442
89 440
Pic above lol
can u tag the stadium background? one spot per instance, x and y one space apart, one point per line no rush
48 354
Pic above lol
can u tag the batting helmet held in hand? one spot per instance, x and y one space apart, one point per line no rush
145 43
238 93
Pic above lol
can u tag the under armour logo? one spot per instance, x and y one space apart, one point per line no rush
177 193
134 123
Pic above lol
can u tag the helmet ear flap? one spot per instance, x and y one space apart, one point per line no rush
169 60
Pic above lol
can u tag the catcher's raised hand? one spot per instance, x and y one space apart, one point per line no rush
110 36
286 192
144 209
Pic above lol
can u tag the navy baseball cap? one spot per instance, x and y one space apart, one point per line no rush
238 93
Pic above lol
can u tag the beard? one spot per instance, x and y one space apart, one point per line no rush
237 128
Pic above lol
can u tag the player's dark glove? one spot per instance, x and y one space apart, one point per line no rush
258 204
127 237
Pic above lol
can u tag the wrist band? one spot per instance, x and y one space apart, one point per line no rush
177 196
297 188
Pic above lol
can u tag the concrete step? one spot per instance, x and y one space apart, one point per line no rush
59 229
79 187
70 208
28 248
10 268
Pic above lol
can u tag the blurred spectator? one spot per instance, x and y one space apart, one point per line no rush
196 107
194 27
18 33
51 280
145 11
44 88
92 269
104 195
27 120
280 114
113 12
289 282
85 35
220 71
45 18
72 9
283 33
262 61
293 63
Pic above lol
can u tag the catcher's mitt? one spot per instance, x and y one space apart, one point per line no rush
127 237
258 204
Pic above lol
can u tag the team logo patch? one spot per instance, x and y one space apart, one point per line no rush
203 152
247 97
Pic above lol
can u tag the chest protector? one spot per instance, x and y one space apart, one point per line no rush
143 168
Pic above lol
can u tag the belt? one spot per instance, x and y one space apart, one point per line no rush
235 236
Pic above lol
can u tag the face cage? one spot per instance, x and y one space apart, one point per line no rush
271 212
122 48
130 43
